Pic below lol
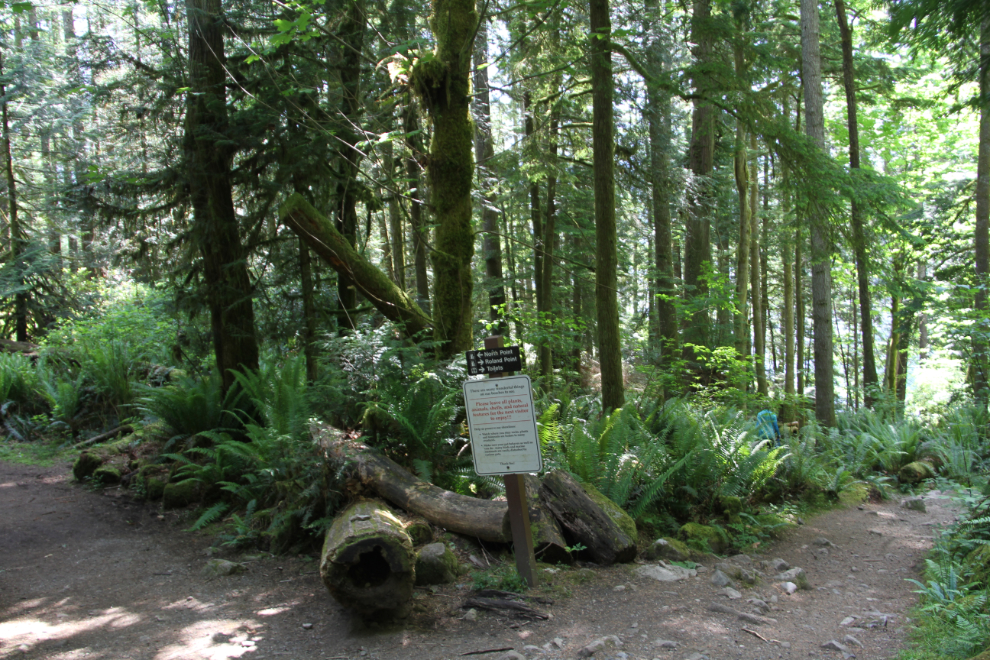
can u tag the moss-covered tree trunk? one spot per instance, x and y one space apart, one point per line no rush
444 85
756 276
215 226
606 259
484 150
745 236
981 235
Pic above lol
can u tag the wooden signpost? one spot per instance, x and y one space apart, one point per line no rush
504 439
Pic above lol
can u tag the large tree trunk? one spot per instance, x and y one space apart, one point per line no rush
397 245
368 563
15 230
745 234
859 236
606 259
549 238
215 224
350 35
309 312
484 150
323 238
821 249
701 161
756 278
444 85
788 413
981 236
658 114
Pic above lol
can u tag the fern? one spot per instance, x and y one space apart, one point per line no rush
210 516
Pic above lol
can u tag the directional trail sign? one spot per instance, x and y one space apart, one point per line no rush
494 361
502 424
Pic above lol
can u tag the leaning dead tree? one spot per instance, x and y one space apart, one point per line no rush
318 232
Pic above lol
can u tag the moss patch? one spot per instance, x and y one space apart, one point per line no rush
179 494
85 465
704 538
854 494
916 472
614 511
106 475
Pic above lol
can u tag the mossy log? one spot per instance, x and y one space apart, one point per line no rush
470 516
548 539
483 519
318 232
584 522
368 563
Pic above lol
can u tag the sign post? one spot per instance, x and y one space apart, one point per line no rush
504 439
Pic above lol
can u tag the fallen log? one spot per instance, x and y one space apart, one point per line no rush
113 433
318 232
368 563
486 520
27 348
548 539
513 607
584 522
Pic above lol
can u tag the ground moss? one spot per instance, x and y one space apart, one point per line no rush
916 472
703 538
106 475
731 508
180 494
85 465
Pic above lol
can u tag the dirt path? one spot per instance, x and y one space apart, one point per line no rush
90 575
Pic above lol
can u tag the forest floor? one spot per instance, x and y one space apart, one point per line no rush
95 575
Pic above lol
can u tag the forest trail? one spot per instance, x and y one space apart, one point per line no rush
97 576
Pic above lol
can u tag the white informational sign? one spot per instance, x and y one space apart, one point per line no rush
502 424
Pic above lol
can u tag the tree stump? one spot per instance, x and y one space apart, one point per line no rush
584 522
548 540
368 563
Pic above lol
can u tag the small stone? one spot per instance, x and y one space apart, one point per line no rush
788 587
760 605
665 644
634 625
779 565
696 656
849 620
741 560
307 626
620 587
793 575
786 645
720 579
612 640
471 615
512 655
558 642
551 571
590 649
833 645
876 532
915 504
849 639
823 542
621 655
222 567
668 573
753 618
731 593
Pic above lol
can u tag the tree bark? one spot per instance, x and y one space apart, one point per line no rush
745 235
858 233
584 521
821 249
756 279
606 260
397 243
549 238
484 150
658 114
981 236
309 312
368 563
322 237
788 413
701 160
444 85
215 225
15 230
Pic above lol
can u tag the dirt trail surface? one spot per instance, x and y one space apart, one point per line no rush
91 575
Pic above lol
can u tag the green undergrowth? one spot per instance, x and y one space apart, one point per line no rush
41 454
953 614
